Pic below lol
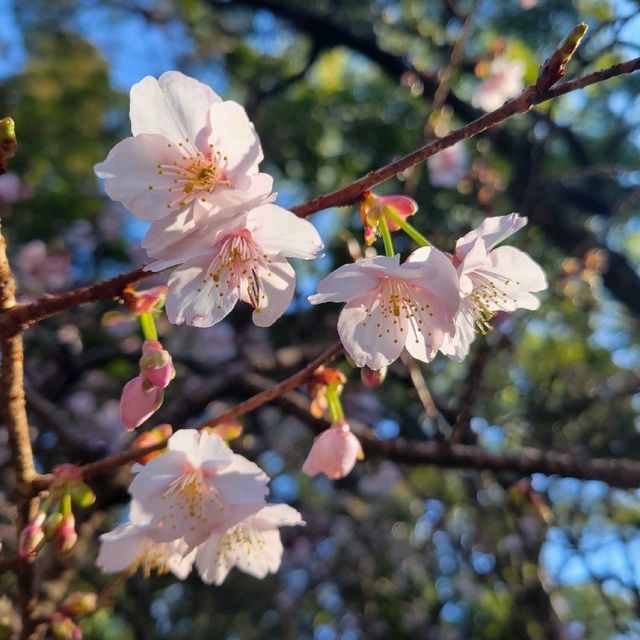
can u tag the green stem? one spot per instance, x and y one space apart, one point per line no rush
409 229
383 228
336 413
148 325
66 505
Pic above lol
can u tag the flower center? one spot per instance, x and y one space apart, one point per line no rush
489 295
152 557
194 176
239 265
241 542
398 305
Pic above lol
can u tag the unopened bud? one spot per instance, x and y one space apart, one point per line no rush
79 603
32 536
373 377
66 536
64 628
156 364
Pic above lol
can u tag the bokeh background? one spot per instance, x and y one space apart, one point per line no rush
393 551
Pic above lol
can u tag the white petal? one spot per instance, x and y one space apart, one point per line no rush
120 548
132 167
427 328
456 345
174 106
345 283
195 298
277 230
157 475
492 230
442 279
516 276
277 515
233 134
278 284
368 336
210 562
242 482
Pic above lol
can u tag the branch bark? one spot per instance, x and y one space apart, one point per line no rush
14 418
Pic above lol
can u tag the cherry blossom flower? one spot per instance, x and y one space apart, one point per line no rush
491 280
197 487
506 80
253 545
129 547
244 260
334 452
392 306
448 166
190 152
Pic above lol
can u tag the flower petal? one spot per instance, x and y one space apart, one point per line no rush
368 335
211 562
132 176
175 106
277 230
234 136
195 298
278 284
492 230
345 283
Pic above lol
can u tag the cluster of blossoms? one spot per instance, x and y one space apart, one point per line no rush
433 301
198 503
191 170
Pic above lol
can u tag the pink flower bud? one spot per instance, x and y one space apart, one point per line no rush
371 208
79 603
64 628
334 452
373 377
156 364
139 401
66 536
146 300
32 536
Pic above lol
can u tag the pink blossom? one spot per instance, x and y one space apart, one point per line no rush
334 452
40 270
197 487
241 260
191 152
392 306
253 545
130 547
139 401
448 166
506 81
491 280
156 364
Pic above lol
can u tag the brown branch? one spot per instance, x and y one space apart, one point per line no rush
14 417
22 316
529 98
256 401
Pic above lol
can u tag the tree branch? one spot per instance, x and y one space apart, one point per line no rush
14 418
